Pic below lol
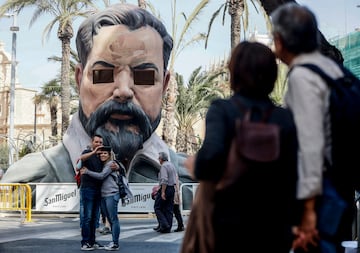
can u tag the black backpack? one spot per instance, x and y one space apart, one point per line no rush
345 128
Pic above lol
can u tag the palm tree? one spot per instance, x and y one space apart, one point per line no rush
74 93
239 15
180 43
64 13
192 103
50 93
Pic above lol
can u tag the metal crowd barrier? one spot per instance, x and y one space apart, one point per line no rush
187 194
16 197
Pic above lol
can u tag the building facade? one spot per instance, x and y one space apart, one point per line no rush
32 123
349 45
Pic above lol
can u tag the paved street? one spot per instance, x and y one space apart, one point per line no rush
61 234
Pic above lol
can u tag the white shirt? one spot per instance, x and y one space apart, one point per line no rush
308 98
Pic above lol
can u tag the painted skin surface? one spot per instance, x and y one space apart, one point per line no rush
118 49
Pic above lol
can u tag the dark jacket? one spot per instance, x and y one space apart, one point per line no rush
265 196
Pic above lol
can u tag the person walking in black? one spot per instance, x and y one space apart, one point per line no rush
164 200
177 210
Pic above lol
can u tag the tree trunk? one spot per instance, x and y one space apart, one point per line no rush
192 144
65 36
236 9
53 116
181 141
169 122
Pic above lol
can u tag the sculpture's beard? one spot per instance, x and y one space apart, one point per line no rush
123 126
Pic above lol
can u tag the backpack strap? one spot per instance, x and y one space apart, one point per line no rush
122 169
316 69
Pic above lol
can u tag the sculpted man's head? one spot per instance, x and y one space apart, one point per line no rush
124 51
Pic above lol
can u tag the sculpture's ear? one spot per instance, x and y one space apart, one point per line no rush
78 76
166 81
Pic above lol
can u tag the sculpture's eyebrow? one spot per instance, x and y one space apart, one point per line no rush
146 66
103 63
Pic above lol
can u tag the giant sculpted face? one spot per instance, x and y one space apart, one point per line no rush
121 87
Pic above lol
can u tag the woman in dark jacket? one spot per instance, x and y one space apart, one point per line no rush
256 213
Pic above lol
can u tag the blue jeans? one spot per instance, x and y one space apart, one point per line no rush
90 199
110 206
81 211
81 214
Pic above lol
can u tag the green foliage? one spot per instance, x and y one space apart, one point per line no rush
4 156
192 103
277 95
25 149
50 94
193 99
232 7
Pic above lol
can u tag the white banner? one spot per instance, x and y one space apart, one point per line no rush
55 197
141 202
65 197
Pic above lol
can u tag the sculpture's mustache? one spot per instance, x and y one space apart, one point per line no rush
119 114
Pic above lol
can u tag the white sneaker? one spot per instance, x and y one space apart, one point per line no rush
112 246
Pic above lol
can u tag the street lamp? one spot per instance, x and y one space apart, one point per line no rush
14 28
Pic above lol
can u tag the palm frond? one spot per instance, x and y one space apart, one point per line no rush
213 17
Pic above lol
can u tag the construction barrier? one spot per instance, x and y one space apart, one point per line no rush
16 197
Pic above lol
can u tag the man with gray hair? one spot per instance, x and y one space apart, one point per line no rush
296 41
164 200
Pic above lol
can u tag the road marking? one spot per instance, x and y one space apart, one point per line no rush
75 233
130 233
60 234
169 237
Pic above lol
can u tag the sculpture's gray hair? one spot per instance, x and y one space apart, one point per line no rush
125 14
297 27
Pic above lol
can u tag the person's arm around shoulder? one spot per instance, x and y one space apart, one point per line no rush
98 175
